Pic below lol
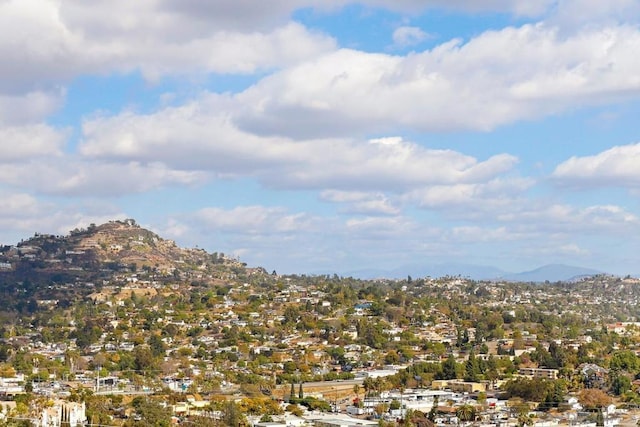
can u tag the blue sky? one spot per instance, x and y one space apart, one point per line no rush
334 135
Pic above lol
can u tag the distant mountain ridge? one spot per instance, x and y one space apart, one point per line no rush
550 272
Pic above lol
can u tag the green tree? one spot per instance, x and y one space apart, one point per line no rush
157 346
232 415
620 383
449 368
143 359
624 360
471 368
150 412
466 413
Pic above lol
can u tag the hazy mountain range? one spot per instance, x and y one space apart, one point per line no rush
551 272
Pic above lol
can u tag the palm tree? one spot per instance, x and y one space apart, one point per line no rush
368 386
466 413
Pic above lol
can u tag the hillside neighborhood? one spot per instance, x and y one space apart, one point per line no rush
114 326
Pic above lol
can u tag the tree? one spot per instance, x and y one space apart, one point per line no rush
157 345
368 386
356 391
466 413
555 395
624 360
143 358
151 413
449 368
204 421
521 410
593 399
471 369
620 384
534 389
300 392
232 415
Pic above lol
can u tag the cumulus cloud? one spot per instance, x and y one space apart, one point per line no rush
15 203
472 198
357 202
408 36
517 7
26 108
562 219
75 177
29 141
237 15
615 167
22 214
380 228
565 250
247 14
49 42
496 78
573 14
476 234
253 220
199 137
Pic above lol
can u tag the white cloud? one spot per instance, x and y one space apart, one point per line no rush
573 249
380 228
496 78
253 220
74 177
473 201
249 14
573 14
408 36
477 234
357 202
29 141
47 43
17 203
615 167
22 214
568 252
562 219
32 107
245 15
198 136
517 7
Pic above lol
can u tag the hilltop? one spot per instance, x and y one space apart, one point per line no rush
47 265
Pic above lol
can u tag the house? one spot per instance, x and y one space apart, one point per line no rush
467 386
551 374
